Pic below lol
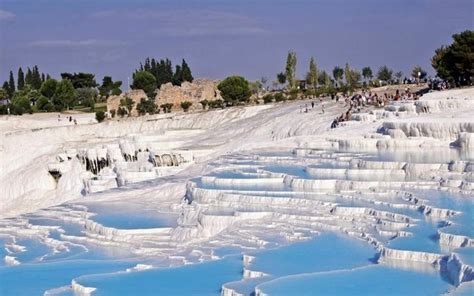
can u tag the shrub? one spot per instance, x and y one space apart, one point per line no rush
127 103
279 97
234 89
204 103
112 113
100 116
166 107
293 94
185 105
122 112
216 104
146 106
43 103
268 98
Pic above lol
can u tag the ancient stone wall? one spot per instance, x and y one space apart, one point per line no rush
198 90
113 102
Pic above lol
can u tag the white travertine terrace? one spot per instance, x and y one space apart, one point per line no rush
243 176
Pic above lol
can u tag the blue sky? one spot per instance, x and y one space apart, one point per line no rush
220 38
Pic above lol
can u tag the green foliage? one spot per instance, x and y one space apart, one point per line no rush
177 76
255 87
281 77
128 103
147 106
268 98
86 97
290 69
11 85
163 71
186 72
122 112
44 104
186 105
146 81
33 78
3 94
48 88
204 103
323 78
347 74
367 73
384 74
21 102
418 72
110 87
455 62
293 94
216 104
312 77
279 97
65 95
337 73
234 89
166 107
355 78
21 79
100 116
80 80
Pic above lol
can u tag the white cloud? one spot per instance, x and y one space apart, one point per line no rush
6 15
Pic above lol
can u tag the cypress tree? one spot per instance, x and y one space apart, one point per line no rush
36 78
21 79
178 76
43 79
28 77
11 85
186 72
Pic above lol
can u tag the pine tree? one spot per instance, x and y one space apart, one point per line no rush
11 85
43 79
21 79
186 74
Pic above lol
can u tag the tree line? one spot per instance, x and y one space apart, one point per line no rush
36 91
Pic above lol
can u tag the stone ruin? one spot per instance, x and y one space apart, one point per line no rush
194 92
198 90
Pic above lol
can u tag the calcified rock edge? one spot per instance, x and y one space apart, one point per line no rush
216 170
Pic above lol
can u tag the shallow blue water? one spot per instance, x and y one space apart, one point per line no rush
196 279
424 238
327 251
135 221
372 280
35 279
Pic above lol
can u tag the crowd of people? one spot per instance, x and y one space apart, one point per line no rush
356 102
